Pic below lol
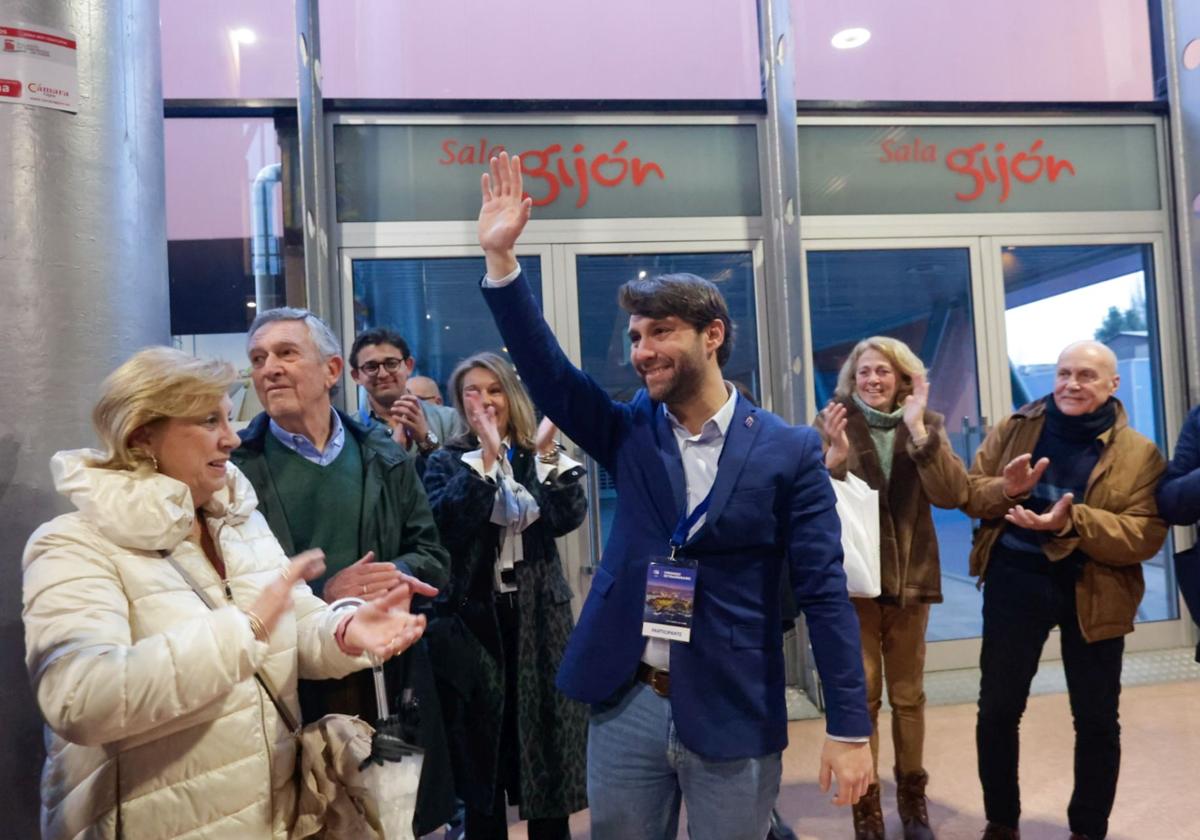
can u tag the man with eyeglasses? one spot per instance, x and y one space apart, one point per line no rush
381 363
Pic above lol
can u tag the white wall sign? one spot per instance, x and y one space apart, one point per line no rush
38 67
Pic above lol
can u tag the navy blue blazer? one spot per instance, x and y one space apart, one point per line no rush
1179 504
771 503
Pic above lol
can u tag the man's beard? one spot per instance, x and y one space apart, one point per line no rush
685 382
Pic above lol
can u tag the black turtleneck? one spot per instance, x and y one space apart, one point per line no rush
1072 444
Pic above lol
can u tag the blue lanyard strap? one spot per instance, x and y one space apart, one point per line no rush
687 522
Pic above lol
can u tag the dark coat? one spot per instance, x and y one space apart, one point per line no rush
397 525
1178 493
909 565
468 651
1178 498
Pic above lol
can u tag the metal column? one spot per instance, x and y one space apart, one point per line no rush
321 295
83 263
781 212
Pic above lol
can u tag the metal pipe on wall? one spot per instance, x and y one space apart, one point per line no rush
83 263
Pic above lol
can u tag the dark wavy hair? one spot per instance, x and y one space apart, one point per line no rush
686 296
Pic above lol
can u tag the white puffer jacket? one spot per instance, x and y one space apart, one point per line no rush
156 725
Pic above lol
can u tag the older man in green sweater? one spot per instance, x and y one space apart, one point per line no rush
325 481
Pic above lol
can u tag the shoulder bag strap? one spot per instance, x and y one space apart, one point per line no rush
284 712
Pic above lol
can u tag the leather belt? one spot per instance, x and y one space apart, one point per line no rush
658 679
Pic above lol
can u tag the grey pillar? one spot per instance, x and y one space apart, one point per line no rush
1181 22
784 290
322 296
84 277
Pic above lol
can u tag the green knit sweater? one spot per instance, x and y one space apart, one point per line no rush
322 505
883 432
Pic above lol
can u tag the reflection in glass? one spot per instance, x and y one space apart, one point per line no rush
604 327
435 304
225 236
921 296
1057 294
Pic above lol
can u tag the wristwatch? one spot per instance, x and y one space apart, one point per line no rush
429 444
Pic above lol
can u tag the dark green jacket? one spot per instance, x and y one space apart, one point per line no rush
398 526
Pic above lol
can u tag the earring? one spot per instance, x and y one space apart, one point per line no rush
150 456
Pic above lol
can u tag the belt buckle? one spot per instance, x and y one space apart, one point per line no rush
660 682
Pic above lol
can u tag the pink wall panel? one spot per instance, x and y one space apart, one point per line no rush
981 51
210 166
202 61
540 49
1015 50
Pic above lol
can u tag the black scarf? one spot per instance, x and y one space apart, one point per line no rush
1081 427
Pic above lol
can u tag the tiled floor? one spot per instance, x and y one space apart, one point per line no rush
1156 798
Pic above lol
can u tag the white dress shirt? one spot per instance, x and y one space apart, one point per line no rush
700 454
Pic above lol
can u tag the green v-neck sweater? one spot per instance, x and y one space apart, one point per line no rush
322 504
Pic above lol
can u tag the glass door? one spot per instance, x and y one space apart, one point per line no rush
1055 291
925 293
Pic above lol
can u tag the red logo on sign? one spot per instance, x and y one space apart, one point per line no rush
10 87
556 170
983 168
9 46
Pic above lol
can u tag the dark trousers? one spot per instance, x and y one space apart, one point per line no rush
494 825
1024 597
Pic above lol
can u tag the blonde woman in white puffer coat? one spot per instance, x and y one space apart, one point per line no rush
156 726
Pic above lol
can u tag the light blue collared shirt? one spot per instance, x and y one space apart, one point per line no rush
306 449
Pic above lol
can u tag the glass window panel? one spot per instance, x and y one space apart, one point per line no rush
225 236
1057 294
435 303
977 168
921 296
572 171
603 329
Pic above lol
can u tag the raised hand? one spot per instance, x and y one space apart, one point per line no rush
364 579
482 420
914 407
385 627
502 214
544 442
1020 478
834 418
1055 519
275 599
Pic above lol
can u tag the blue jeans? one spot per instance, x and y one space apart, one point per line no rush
638 772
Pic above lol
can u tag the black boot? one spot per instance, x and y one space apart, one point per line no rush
868 816
995 831
910 801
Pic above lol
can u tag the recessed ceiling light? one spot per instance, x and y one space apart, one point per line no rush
848 39
243 36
